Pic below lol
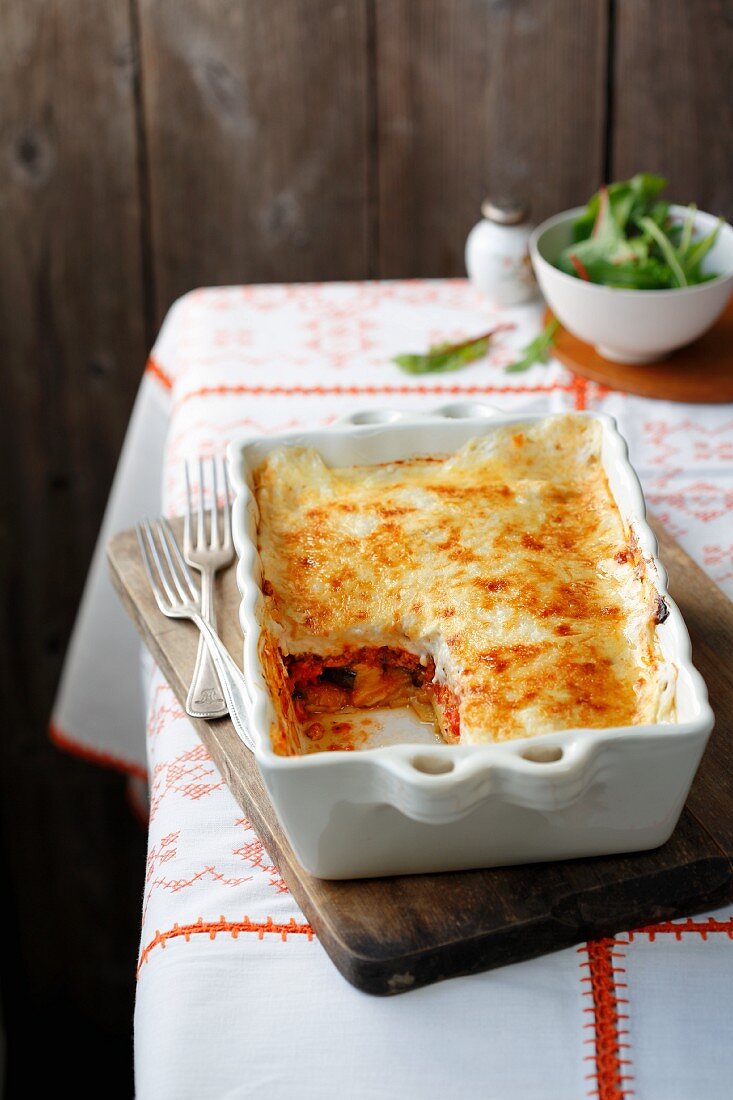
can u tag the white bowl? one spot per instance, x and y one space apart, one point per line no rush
407 808
632 326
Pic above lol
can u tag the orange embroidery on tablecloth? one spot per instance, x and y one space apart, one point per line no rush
336 335
151 367
164 708
63 740
175 885
162 852
580 391
209 438
700 500
694 441
158 854
609 1039
225 338
670 524
212 928
679 450
166 851
720 559
255 854
191 774
678 929
228 390
717 554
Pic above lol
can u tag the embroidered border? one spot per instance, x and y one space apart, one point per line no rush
610 1035
579 386
212 928
66 743
679 929
229 390
609 1038
154 368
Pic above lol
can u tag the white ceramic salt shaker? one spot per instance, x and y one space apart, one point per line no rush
497 253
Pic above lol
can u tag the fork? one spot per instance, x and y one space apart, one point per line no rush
208 555
177 597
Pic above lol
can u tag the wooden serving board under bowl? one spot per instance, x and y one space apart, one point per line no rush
395 934
702 372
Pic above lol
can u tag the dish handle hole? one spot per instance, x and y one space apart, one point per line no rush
432 765
375 416
543 754
465 410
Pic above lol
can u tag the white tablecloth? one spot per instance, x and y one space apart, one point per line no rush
235 995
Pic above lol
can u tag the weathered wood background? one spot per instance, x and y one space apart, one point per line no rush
149 146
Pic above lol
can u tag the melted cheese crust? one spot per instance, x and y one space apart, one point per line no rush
507 563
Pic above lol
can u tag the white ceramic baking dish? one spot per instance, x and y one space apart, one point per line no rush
407 808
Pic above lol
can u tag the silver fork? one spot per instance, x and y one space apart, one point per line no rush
208 554
177 597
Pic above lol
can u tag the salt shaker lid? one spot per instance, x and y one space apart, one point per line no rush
505 211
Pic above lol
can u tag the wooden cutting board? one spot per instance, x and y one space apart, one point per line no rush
702 372
391 935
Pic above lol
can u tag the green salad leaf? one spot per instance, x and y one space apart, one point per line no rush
665 247
627 238
448 357
538 351
625 198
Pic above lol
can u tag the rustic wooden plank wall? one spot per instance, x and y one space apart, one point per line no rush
72 337
256 118
672 97
482 96
150 146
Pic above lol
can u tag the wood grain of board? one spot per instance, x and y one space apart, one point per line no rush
256 116
702 372
671 109
473 98
391 935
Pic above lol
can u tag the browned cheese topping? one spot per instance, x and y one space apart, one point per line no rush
507 564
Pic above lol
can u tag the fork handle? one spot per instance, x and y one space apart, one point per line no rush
231 679
205 699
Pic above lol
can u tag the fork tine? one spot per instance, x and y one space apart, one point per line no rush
214 533
227 510
158 563
187 517
201 531
187 574
145 552
174 573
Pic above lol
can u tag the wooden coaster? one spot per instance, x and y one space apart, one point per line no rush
700 373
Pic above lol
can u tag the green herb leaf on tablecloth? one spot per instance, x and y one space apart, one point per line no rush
442 358
538 351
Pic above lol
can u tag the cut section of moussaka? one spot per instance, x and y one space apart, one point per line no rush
497 587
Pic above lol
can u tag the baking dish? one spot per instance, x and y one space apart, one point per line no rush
407 808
